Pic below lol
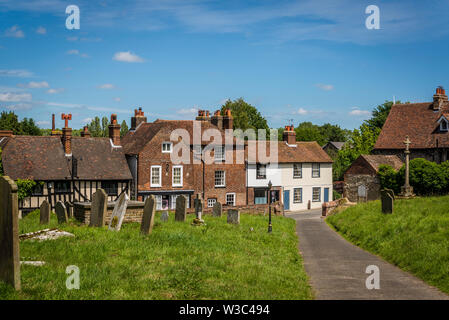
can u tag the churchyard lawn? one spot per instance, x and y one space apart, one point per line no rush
415 237
177 261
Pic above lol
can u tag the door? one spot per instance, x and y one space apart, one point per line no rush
326 194
286 199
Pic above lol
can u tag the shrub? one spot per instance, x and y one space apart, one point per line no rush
389 178
24 188
336 194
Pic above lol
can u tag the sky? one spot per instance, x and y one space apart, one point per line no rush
304 60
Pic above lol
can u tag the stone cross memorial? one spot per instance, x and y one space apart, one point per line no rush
387 201
118 214
149 212
9 233
217 209
407 189
233 216
45 210
181 204
98 208
61 212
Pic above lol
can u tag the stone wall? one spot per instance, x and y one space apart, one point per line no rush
328 207
134 211
276 208
352 183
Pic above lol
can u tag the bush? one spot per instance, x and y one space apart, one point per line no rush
24 188
336 194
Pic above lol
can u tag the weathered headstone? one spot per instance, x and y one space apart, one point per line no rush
119 212
69 209
149 211
61 212
217 209
98 208
180 212
9 233
164 216
234 216
387 201
198 207
45 210
391 192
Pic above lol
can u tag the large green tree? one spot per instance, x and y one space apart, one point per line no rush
245 115
10 121
123 128
307 131
379 115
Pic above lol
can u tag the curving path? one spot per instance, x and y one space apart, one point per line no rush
336 267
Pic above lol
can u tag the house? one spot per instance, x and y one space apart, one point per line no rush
332 148
150 150
301 177
66 168
361 182
426 124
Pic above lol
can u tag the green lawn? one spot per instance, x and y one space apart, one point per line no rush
415 237
177 261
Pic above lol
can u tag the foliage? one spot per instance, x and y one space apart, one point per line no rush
307 131
123 129
415 237
127 265
99 128
389 178
25 188
379 115
336 195
10 121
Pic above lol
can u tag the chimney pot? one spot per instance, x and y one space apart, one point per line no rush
439 98
289 135
114 130
6 133
139 117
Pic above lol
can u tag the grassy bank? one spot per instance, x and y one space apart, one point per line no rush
415 237
177 261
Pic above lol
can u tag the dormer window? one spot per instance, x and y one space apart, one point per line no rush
443 125
166 147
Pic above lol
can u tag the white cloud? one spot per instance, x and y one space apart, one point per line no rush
41 30
19 106
359 113
302 111
43 123
325 87
34 85
16 73
188 111
87 120
14 32
14 97
127 56
106 86
53 90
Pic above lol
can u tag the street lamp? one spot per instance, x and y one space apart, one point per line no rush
269 206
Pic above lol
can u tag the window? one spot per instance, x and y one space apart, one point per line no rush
211 202
297 170
158 202
62 187
260 196
177 176
220 178
155 176
38 189
166 147
316 194
219 153
315 170
110 187
443 125
261 172
297 195
230 199
275 196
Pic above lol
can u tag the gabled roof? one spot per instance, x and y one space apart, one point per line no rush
376 160
43 158
417 120
336 144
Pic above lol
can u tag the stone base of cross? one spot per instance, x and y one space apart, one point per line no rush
406 192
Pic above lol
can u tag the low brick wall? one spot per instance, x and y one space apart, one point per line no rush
276 208
134 211
330 206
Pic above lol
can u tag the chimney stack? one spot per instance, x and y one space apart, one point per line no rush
139 117
85 133
114 131
6 133
289 135
203 115
67 134
54 132
228 120
217 120
439 98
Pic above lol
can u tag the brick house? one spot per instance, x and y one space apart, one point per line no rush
361 182
426 124
149 150
67 168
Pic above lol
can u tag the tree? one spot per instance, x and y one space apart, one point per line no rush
245 115
104 125
380 114
123 129
10 121
332 132
307 131
95 128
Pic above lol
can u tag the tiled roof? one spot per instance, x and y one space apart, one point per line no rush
43 158
417 120
376 160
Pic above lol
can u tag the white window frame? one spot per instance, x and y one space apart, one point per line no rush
300 195
211 202
173 176
234 198
224 179
300 171
160 176
158 201
223 153
167 143
258 167
319 194
319 170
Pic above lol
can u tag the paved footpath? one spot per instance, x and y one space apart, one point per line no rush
336 268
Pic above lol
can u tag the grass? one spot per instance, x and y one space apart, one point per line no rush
415 237
177 261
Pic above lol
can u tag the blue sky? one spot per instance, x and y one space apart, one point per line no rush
309 60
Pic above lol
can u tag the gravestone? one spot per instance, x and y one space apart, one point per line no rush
149 211
45 210
391 192
98 208
9 233
61 212
361 192
387 201
164 216
198 207
118 214
233 216
69 209
180 212
217 209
